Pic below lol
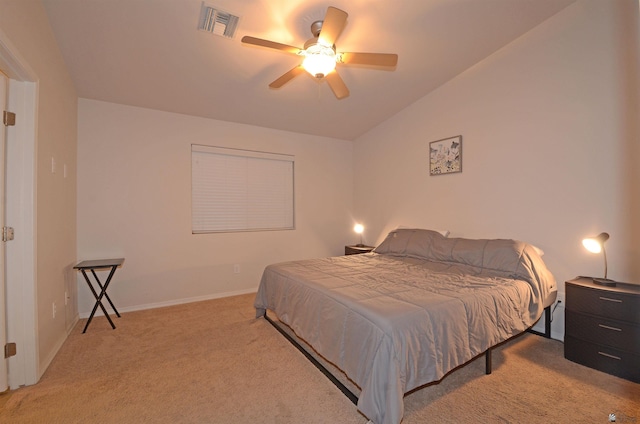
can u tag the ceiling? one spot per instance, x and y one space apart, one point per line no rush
149 53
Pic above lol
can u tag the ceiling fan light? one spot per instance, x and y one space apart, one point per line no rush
319 60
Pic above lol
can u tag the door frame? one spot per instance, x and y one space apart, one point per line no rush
22 323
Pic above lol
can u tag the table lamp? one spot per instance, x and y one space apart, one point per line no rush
359 228
596 245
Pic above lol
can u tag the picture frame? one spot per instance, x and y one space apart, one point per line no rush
445 156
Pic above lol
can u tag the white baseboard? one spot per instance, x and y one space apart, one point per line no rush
169 303
47 361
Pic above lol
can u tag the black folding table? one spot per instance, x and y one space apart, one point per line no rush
92 266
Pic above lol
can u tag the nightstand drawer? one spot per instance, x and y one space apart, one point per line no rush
606 359
617 334
609 303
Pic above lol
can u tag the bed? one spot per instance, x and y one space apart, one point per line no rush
409 312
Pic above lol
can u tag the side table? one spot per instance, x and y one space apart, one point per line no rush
602 327
356 249
92 266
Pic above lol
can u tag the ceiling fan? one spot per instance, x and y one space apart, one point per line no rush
320 56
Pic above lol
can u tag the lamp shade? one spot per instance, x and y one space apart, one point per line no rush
595 244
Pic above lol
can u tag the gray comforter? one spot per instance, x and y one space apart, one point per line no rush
406 315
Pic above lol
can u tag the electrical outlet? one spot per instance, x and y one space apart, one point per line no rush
54 309
236 269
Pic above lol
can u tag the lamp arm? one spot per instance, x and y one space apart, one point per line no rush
604 253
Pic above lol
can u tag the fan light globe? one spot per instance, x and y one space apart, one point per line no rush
319 60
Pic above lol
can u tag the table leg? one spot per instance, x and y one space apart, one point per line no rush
104 289
98 298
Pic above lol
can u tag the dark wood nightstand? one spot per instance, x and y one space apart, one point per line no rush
356 250
602 327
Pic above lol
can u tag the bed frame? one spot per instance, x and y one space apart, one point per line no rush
349 394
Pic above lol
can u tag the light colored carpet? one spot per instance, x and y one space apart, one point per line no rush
213 362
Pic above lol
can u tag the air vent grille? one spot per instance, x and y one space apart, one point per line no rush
217 21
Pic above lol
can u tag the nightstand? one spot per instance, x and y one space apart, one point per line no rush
356 250
602 327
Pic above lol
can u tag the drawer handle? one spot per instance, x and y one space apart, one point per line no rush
609 356
609 328
608 299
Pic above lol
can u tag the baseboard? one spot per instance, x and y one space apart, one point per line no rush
74 321
49 358
170 302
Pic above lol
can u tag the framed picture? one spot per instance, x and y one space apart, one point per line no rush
445 156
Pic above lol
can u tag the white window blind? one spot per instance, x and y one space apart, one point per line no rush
240 190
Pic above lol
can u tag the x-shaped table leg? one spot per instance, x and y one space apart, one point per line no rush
103 293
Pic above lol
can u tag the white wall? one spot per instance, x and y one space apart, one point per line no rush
26 27
546 129
134 201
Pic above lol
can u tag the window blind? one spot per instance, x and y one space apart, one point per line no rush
241 190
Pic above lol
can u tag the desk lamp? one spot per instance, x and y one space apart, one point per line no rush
596 245
359 228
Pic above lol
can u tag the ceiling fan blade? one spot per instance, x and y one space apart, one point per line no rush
337 85
377 59
332 26
288 76
270 44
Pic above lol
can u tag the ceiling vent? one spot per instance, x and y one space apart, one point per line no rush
217 22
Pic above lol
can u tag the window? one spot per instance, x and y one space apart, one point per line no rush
240 190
